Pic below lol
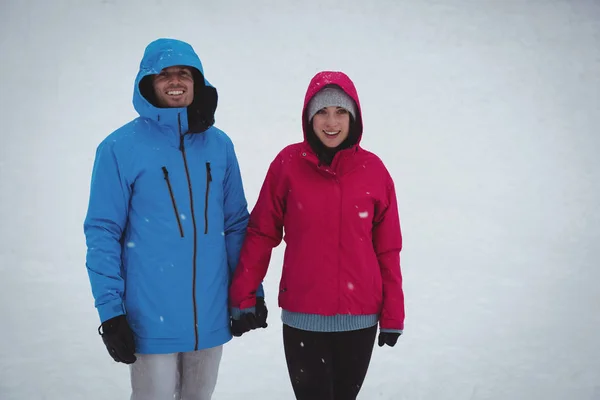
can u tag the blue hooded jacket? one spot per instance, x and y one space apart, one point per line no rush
167 216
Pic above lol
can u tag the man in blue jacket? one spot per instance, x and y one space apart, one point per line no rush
165 224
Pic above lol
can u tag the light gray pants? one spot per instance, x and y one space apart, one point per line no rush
180 376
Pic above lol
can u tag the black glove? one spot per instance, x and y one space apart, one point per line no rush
261 312
389 338
118 339
245 323
251 320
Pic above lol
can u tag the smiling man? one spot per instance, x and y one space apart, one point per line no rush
174 86
165 223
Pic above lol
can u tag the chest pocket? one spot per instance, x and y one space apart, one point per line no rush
213 193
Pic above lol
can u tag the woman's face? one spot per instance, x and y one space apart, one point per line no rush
331 125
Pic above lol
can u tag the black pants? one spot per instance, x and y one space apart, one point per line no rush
328 365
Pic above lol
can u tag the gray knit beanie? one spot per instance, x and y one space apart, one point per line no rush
331 96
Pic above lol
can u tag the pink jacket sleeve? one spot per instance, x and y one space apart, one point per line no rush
387 241
265 232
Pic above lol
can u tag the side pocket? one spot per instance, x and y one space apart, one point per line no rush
282 282
208 181
283 292
166 175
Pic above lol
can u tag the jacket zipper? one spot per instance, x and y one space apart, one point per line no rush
166 175
339 187
195 252
208 181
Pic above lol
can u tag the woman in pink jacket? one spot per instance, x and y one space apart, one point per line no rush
334 204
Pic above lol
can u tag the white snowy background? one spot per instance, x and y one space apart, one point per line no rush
486 112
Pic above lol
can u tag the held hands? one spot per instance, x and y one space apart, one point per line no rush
118 339
251 320
389 338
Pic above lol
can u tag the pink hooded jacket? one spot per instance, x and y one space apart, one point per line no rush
341 225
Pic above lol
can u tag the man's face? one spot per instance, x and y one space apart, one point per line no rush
174 87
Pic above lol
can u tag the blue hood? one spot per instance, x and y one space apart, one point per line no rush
164 53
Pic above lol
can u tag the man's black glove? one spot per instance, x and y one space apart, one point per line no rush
118 339
389 338
261 312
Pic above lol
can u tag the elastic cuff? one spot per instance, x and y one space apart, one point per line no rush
110 310
400 331
236 313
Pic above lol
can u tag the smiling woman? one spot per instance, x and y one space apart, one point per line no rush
174 87
341 276
331 125
330 111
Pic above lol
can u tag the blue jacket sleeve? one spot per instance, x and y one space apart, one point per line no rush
103 227
236 213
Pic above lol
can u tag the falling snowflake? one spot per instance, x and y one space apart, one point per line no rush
323 360
300 206
146 219
130 245
350 286
363 214
368 193
162 319
183 216
301 344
